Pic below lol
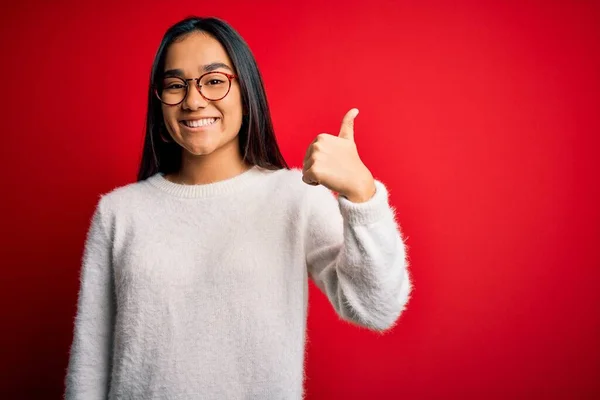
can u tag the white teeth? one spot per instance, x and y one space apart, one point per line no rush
200 122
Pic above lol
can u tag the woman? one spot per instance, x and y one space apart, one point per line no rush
194 281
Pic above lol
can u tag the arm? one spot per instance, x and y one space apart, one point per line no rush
356 256
89 369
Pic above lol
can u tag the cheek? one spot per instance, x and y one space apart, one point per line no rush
170 118
232 125
233 110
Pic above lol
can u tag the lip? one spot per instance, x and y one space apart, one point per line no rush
199 128
197 118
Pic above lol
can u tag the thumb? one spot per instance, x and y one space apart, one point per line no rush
347 129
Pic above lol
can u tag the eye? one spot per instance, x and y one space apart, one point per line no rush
174 86
214 82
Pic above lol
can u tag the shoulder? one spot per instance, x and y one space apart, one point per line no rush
287 186
284 179
126 197
288 182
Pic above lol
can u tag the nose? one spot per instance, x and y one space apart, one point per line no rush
194 99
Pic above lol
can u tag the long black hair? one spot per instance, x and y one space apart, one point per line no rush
258 144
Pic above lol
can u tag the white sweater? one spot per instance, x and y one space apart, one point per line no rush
200 291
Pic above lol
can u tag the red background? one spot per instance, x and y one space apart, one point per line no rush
481 118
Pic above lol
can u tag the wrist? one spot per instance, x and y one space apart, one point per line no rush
362 194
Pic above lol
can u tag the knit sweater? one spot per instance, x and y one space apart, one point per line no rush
200 291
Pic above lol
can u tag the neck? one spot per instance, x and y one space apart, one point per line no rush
225 163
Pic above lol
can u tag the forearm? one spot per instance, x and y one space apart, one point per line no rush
365 276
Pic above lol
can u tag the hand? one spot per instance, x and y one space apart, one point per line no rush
333 161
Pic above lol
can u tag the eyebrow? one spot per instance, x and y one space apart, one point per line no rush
205 68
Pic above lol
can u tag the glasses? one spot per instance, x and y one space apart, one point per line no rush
212 86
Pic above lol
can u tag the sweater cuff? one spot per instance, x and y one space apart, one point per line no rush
374 209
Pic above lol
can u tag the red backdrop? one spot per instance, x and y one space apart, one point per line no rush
481 118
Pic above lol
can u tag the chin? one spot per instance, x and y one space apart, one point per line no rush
200 147
200 150
203 146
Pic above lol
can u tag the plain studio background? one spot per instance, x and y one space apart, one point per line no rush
481 118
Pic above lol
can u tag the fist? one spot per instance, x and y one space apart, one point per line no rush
333 161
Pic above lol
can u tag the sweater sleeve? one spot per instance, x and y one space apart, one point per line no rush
356 256
89 368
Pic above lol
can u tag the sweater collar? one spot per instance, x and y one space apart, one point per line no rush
223 187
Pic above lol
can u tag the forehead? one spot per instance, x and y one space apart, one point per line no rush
193 51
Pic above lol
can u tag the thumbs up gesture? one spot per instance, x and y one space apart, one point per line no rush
333 161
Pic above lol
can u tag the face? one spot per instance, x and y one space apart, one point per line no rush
202 127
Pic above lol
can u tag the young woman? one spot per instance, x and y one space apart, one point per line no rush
194 281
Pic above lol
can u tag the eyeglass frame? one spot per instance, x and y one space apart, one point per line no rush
198 86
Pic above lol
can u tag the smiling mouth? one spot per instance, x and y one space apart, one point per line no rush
199 123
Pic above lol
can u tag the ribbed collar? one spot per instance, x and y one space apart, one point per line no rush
226 186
